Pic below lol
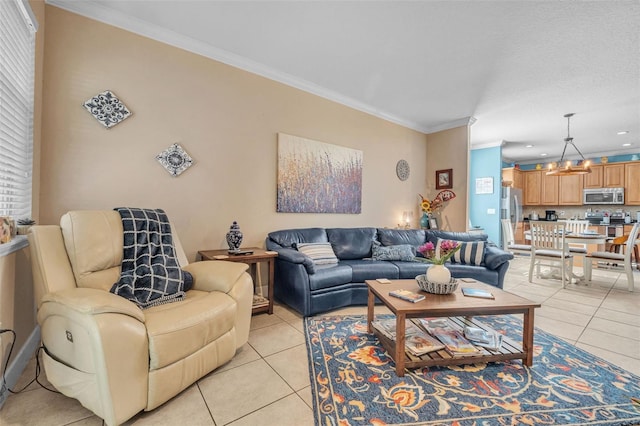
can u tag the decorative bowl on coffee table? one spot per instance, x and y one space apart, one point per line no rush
436 288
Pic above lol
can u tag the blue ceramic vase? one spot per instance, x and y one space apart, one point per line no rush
234 237
424 221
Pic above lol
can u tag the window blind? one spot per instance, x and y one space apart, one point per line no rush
17 57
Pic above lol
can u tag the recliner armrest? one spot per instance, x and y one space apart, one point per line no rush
215 275
92 301
494 257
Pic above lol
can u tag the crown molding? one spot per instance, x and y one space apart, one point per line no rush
488 145
114 18
465 121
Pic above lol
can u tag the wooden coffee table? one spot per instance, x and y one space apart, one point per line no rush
451 305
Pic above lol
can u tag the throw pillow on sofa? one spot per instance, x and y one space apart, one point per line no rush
320 253
470 253
403 252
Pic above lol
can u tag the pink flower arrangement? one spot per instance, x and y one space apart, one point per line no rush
447 249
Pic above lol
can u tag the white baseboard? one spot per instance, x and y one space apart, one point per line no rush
19 363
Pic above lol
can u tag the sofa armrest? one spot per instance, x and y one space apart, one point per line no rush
215 275
494 257
294 256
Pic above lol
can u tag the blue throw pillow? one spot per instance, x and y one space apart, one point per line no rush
404 252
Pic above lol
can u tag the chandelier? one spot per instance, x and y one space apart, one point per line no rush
565 168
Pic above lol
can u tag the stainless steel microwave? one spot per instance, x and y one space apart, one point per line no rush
603 196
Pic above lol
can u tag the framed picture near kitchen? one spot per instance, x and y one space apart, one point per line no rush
444 179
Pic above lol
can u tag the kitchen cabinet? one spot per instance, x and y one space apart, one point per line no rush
605 176
613 175
570 190
512 177
549 190
532 185
542 190
594 179
631 179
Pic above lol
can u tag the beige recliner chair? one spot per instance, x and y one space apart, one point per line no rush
103 350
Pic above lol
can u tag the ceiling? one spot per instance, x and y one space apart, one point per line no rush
512 68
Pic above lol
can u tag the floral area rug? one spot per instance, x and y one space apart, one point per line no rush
353 382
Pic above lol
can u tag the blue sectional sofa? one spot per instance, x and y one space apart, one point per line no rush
312 288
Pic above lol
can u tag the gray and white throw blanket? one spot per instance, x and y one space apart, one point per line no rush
150 272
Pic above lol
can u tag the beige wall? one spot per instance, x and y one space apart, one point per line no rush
225 118
449 149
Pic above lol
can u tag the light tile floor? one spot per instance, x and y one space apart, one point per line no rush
267 382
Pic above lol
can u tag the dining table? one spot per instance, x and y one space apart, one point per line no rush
587 238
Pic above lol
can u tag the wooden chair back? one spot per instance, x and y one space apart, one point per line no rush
576 226
548 236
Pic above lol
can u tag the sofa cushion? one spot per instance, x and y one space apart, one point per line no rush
328 276
409 270
319 253
392 237
368 269
470 253
404 252
351 243
289 237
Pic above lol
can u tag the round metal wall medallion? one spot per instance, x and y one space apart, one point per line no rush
402 170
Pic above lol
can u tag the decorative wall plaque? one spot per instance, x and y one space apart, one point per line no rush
403 170
175 160
107 109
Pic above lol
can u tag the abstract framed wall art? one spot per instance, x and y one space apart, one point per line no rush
317 177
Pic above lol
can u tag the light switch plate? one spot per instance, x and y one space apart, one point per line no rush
491 211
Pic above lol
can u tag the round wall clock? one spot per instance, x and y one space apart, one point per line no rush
402 170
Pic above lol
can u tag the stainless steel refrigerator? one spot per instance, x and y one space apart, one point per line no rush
511 207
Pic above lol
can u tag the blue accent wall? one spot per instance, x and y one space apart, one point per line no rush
486 162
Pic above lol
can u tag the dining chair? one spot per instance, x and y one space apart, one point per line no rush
508 240
549 248
618 245
576 227
609 257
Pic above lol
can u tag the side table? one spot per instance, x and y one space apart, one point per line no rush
260 303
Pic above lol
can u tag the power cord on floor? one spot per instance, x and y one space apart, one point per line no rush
6 364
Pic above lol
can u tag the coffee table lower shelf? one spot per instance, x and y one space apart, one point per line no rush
508 351
453 305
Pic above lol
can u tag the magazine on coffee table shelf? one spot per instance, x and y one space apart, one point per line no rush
454 342
485 338
417 341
